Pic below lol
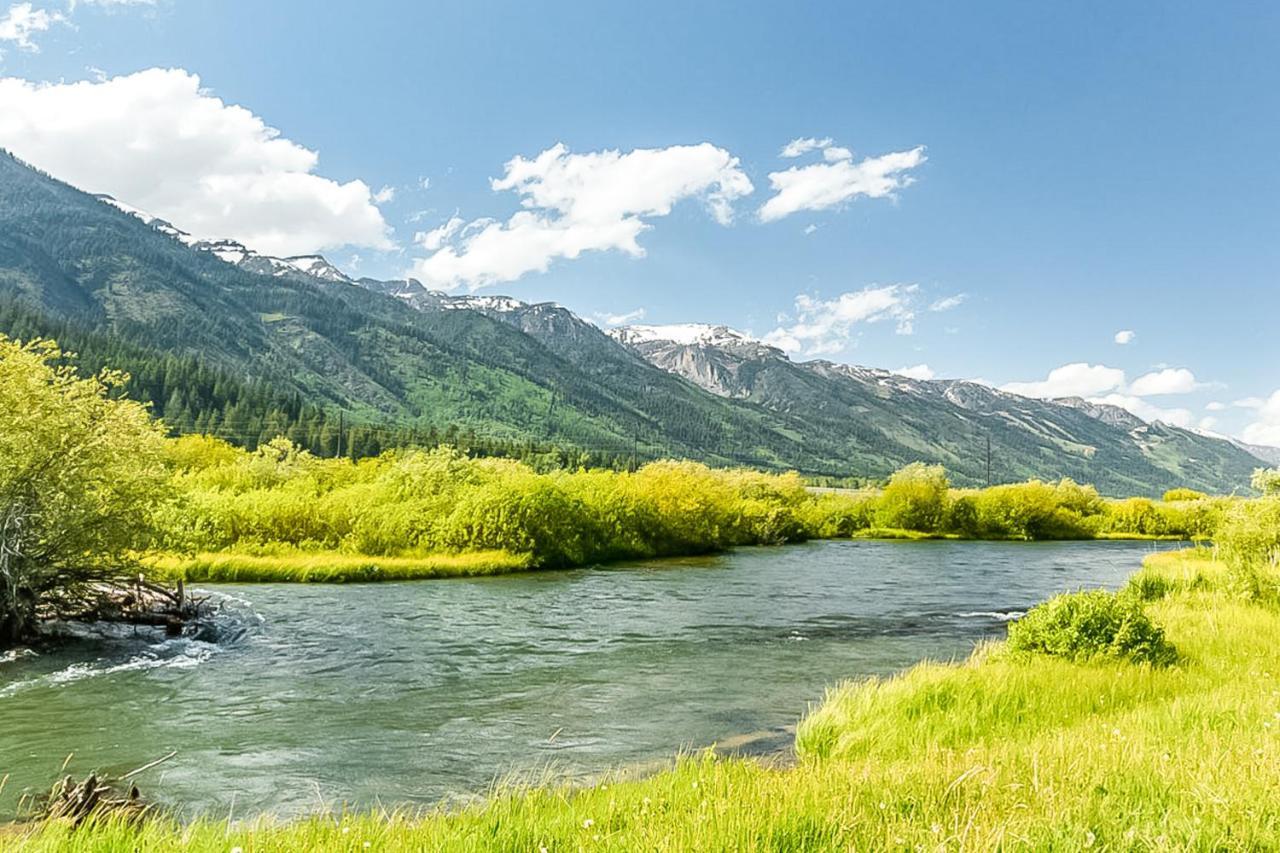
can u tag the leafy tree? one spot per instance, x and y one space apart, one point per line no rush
1267 481
915 499
81 477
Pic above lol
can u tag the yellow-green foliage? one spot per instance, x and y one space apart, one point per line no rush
1183 495
914 499
1000 752
441 501
292 566
1267 481
1092 624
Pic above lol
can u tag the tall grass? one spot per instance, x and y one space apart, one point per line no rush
405 504
330 567
997 752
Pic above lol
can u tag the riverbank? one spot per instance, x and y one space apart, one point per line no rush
995 751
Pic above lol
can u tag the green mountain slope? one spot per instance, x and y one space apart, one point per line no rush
298 337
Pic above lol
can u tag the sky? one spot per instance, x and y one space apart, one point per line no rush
1057 199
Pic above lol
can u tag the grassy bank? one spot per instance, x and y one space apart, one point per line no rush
329 566
356 520
1002 750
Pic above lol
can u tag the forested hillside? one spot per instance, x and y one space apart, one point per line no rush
263 348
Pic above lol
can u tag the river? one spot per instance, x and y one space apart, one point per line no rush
315 696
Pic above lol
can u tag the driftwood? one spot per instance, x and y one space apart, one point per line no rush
97 796
76 802
133 602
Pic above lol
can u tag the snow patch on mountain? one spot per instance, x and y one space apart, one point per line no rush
685 334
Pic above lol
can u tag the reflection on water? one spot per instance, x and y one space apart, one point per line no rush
412 692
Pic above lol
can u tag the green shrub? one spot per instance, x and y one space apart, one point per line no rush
915 499
1266 481
1035 510
1089 625
1175 495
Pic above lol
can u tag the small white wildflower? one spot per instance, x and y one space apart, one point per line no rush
237 850
884 805
936 828
368 844
695 784
1089 838
345 830
588 823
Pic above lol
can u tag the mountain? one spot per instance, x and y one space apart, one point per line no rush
890 419
294 334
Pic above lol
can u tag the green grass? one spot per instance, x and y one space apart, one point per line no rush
900 533
996 752
299 566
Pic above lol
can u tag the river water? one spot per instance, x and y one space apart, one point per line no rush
316 696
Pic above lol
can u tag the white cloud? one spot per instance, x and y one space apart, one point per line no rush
1249 403
1207 423
809 229
621 319
800 147
159 142
1171 380
22 21
919 371
74 3
435 238
836 181
1071 380
1125 336
1266 429
1215 406
575 203
822 327
384 195
1146 411
949 302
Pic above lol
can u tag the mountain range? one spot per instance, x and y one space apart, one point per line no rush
398 354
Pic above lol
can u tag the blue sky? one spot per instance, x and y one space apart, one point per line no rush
1080 169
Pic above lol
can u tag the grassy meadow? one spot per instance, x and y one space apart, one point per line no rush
1072 735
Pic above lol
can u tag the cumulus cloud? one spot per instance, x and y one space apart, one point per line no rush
384 195
825 326
1071 380
1171 380
949 302
22 21
1265 429
800 147
159 142
576 203
1125 336
837 180
918 371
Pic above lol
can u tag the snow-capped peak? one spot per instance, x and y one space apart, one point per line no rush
317 266
686 334
154 221
485 303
